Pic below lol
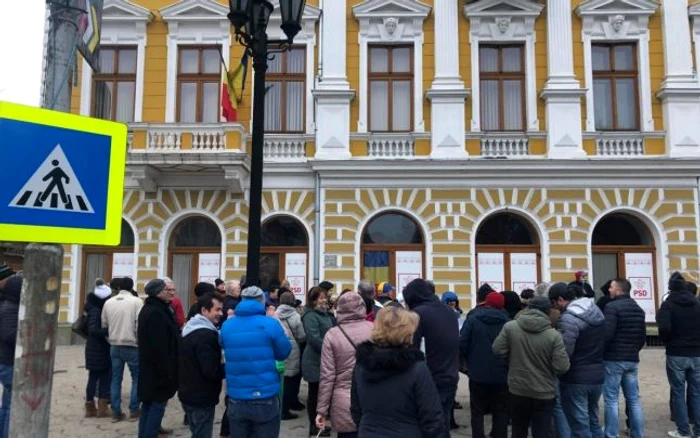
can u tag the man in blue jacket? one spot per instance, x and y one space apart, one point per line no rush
488 373
252 342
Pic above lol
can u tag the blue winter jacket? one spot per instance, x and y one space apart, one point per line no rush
252 342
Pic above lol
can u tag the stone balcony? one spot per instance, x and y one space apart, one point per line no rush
285 148
505 145
391 146
192 155
620 145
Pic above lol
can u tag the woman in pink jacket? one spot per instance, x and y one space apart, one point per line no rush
338 364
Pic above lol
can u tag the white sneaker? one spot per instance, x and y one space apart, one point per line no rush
676 434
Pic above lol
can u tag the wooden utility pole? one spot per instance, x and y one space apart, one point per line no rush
43 263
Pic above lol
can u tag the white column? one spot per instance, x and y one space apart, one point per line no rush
332 93
562 93
680 93
447 94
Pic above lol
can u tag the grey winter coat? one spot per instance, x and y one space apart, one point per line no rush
294 329
582 327
316 324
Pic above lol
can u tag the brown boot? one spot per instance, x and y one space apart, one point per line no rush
103 408
90 409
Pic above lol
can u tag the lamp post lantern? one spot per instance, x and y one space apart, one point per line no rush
249 19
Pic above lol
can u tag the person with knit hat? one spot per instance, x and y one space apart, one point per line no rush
97 358
438 330
158 339
252 342
536 355
9 312
581 280
488 389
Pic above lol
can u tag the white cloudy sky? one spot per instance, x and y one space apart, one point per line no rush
21 42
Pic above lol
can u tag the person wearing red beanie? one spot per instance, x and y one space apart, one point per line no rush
495 300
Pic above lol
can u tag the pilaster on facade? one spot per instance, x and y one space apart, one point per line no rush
680 90
503 22
192 22
610 21
123 24
562 93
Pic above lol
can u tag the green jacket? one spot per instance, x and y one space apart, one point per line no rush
536 355
316 324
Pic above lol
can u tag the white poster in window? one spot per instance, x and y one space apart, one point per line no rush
209 267
491 269
122 265
639 268
523 271
409 266
295 271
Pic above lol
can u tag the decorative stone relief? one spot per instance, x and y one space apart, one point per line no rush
503 23
390 25
617 21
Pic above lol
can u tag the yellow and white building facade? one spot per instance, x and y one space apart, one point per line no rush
500 141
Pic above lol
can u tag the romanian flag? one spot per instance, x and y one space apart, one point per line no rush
376 266
232 89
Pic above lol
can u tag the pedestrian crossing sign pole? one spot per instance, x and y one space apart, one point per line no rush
62 178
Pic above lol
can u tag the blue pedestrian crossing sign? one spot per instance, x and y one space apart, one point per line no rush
62 177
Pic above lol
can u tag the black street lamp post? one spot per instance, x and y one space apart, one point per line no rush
249 19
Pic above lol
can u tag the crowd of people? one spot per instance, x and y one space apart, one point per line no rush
377 365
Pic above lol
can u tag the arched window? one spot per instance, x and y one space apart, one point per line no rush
392 250
284 254
507 253
624 247
108 262
194 254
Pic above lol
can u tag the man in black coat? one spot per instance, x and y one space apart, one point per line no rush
438 330
488 373
625 335
9 311
158 337
679 327
200 370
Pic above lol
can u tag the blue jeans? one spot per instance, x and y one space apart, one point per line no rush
201 420
580 403
120 356
254 418
151 417
622 374
561 424
681 370
6 381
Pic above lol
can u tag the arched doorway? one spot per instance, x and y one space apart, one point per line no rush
393 250
624 247
108 262
284 254
507 253
194 254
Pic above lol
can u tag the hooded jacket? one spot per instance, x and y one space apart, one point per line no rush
679 324
535 354
97 356
338 361
476 338
625 329
582 326
294 329
200 368
9 311
393 395
316 324
440 330
252 342
158 340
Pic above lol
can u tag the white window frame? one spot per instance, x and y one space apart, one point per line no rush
489 25
694 14
601 24
305 37
192 22
377 18
123 24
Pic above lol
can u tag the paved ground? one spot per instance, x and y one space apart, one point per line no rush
70 378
